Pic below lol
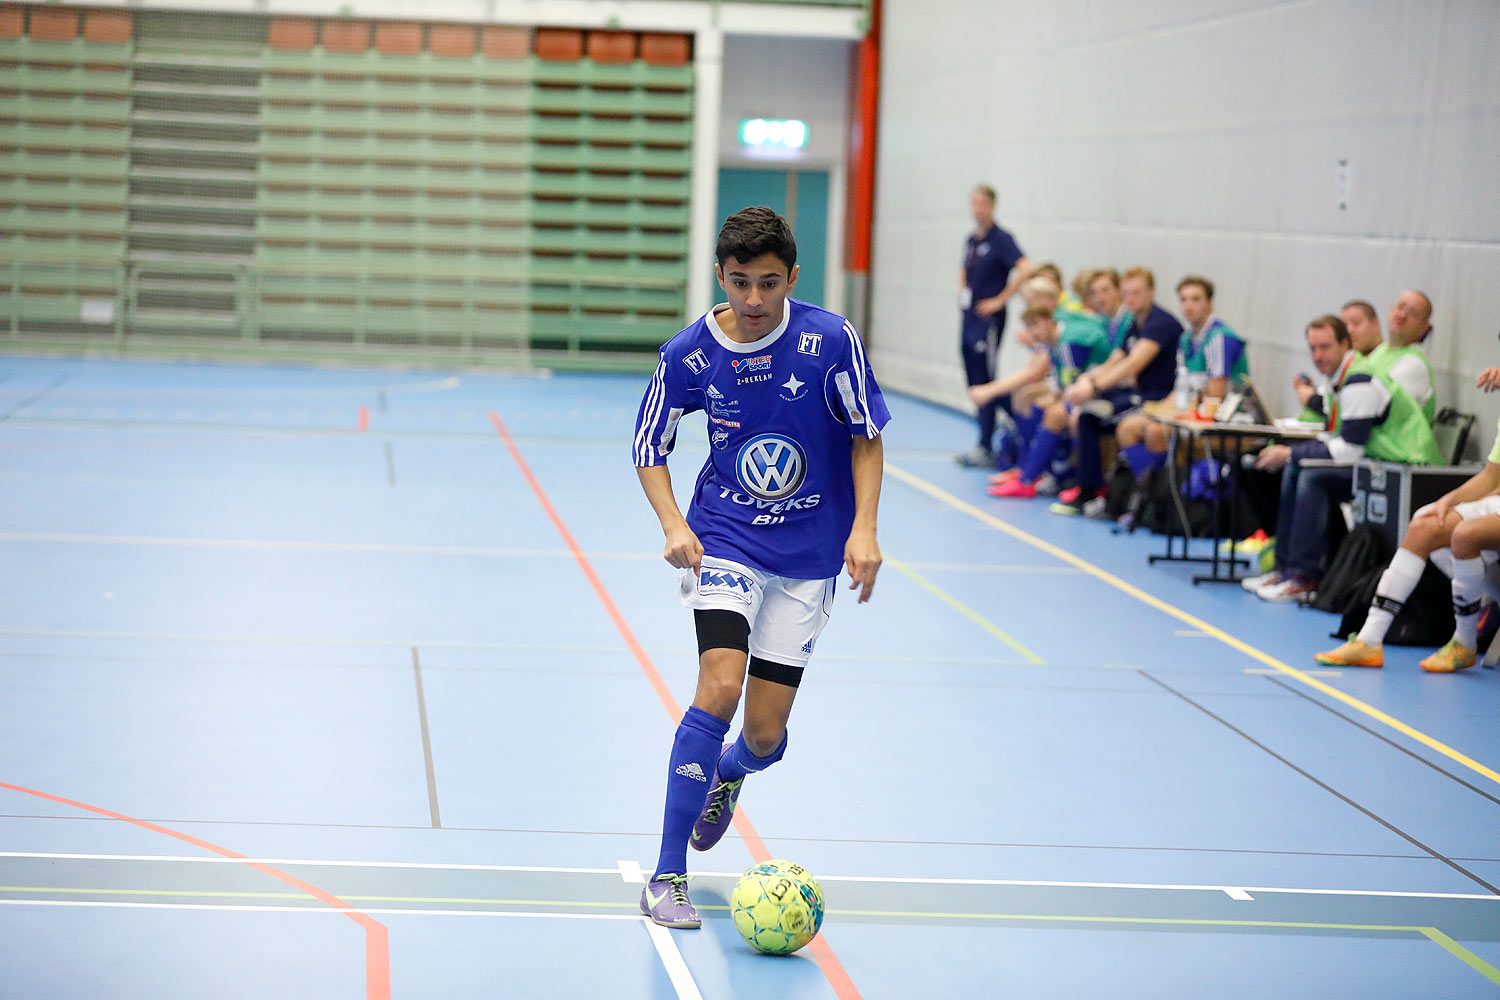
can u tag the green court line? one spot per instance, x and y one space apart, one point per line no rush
1431 933
923 486
965 610
1463 954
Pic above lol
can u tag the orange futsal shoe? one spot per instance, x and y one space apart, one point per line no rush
1353 654
1453 657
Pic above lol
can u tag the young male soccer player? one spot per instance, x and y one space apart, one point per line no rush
788 494
1069 343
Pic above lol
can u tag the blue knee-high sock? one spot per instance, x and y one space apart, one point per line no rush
1090 461
1039 456
1142 459
695 750
1027 424
738 761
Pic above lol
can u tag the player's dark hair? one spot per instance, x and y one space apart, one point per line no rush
1201 282
753 232
1329 321
1363 307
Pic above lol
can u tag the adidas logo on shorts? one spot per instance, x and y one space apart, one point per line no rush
692 770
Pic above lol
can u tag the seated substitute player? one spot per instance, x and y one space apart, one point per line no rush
1211 357
1030 388
1139 369
1459 533
1070 343
788 495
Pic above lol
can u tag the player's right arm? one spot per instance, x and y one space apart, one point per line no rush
683 550
667 399
1084 386
1134 363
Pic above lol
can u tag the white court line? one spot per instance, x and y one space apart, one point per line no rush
631 873
312 863
220 392
1311 673
677 970
292 545
302 546
1234 892
382 912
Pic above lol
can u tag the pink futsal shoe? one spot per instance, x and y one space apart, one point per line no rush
1014 488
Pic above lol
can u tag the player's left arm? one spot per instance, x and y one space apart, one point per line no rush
861 551
1224 353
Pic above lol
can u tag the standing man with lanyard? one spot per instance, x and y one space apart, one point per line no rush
993 268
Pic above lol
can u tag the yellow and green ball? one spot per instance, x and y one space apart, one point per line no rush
777 906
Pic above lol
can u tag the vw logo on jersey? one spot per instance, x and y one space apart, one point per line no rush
771 467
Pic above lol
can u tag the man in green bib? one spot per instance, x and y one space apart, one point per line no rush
1370 414
1401 357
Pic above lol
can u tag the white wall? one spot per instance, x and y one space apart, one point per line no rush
1197 136
802 78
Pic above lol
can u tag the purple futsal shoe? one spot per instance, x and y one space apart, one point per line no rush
665 900
718 810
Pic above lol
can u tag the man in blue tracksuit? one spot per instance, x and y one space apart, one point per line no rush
993 268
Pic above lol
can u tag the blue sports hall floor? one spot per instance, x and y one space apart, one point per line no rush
348 683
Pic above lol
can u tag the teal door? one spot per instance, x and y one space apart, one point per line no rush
799 195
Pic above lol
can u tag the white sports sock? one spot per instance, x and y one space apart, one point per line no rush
1396 584
1468 585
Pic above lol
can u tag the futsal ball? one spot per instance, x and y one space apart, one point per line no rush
777 906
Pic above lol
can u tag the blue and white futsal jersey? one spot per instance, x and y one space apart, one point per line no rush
777 491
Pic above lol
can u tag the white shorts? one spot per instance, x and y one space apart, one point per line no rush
1483 507
786 616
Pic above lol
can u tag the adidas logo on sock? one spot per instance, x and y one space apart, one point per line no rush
692 770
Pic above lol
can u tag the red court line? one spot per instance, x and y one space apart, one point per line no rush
833 970
377 942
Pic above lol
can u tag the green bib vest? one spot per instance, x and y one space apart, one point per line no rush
1380 361
1404 435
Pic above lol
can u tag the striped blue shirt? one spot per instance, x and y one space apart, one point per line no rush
777 490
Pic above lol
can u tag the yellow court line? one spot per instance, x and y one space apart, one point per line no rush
922 485
964 610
